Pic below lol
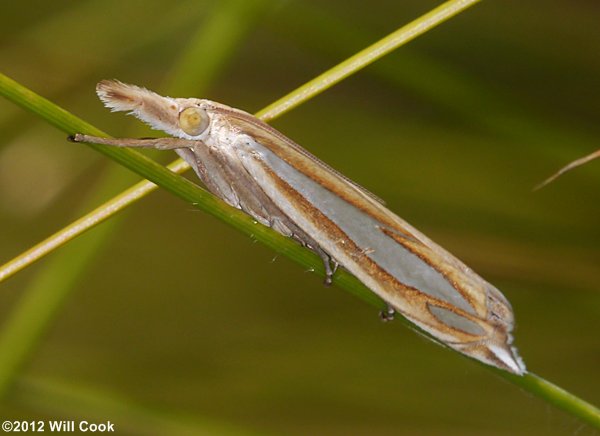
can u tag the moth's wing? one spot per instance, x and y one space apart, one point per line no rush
304 162
289 149
418 278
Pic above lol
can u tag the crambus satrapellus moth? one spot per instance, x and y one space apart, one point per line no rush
253 167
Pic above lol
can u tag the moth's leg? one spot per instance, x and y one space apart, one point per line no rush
330 264
335 264
156 143
387 314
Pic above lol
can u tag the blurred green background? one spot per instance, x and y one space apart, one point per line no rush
180 325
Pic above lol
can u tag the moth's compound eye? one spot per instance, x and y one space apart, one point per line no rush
193 121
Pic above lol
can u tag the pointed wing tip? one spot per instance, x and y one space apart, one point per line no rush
496 352
506 358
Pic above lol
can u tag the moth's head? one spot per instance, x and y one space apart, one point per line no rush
180 117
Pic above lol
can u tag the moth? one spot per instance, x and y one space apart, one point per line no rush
255 168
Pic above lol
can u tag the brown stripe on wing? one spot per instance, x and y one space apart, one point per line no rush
390 289
427 256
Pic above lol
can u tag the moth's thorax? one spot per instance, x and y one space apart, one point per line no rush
221 133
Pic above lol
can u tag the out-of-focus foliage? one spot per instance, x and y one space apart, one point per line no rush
182 325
